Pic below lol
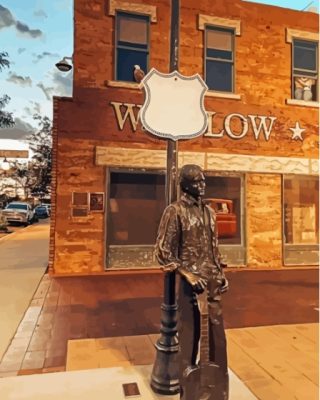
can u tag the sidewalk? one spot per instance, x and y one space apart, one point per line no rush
103 322
266 363
23 261
95 384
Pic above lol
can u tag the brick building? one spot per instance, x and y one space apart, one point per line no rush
260 151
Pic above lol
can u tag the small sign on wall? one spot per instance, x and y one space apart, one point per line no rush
80 198
97 202
79 212
80 204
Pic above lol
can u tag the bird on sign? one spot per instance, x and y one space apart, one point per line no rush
138 73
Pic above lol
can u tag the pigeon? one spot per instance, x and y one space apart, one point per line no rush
138 73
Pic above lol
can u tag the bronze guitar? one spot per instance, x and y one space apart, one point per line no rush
203 381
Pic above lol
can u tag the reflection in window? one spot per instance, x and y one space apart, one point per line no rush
301 210
305 69
132 45
224 194
219 59
136 204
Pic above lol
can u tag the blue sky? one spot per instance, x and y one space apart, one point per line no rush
37 34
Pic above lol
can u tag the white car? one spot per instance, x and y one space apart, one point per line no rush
19 212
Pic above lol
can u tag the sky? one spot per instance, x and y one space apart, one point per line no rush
37 34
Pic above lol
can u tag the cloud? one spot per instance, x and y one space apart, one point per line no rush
20 80
7 20
46 90
35 108
20 130
21 50
39 57
63 83
40 13
24 29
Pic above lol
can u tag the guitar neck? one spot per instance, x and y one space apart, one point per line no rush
204 339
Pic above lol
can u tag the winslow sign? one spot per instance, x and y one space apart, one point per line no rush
261 125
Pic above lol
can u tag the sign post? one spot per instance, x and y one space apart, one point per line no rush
163 114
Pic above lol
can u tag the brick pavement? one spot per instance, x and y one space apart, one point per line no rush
65 309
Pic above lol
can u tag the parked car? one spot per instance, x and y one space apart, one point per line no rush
42 211
226 218
19 212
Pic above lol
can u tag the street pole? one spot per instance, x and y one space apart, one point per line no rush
164 378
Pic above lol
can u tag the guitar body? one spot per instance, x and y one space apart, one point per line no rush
203 382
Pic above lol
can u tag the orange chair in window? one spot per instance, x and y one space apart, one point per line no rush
226 218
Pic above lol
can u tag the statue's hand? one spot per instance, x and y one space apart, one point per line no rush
197 282
169 267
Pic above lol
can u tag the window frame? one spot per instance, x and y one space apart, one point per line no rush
232 30
110 249
294 75
145 17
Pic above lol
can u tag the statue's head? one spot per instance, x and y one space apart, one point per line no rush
192 180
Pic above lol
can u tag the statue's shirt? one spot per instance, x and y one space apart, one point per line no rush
187 236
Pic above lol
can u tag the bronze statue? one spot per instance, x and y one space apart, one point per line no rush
187 242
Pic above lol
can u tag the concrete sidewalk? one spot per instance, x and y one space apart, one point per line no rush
95 384
23 261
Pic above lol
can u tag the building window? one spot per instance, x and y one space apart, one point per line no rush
304 69
132 44
219 58
137 201
301 210
301 222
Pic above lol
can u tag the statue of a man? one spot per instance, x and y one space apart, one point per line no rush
187 242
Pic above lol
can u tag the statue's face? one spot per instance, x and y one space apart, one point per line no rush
196 186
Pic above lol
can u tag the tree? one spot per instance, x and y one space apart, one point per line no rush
6 119
41 145
34 177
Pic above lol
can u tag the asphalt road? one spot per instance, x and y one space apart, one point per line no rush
23 261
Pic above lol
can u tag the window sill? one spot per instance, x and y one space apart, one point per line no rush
224 95
294 102
123 84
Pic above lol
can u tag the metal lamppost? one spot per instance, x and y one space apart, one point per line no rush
164 378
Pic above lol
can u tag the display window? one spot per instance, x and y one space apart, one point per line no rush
301 218
224 195
136 204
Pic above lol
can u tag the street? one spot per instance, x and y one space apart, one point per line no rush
24 258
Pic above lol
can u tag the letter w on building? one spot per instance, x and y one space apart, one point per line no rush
262 125
128 114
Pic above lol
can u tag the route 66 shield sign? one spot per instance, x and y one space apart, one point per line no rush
173 106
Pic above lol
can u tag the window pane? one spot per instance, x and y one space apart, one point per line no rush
225 197
126 59
219 75
220 40
305 55
301 210
132 30
225 55
136 205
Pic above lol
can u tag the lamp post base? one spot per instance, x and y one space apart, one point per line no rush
165 373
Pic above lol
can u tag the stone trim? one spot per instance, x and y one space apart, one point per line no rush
125 85
121 157
295 102
294 33
224 95
127 6
53 184
204 20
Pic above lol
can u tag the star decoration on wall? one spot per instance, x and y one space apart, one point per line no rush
297 132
